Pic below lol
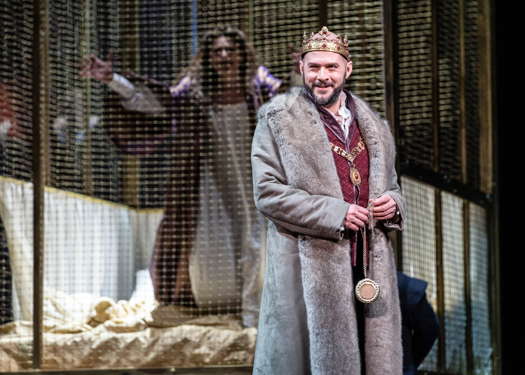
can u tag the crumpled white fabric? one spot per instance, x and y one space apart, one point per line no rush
91 246
83 331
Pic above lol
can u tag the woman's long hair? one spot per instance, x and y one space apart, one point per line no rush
204 74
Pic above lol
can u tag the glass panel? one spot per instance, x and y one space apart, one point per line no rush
419 244
480 290
453 275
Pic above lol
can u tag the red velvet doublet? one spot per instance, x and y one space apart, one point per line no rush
336 136
358 195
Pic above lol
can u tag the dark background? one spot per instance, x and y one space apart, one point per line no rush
511 170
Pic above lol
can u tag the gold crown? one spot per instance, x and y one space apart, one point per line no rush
325 40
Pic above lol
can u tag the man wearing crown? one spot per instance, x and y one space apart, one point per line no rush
324 175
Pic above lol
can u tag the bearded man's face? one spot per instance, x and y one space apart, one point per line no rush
324 75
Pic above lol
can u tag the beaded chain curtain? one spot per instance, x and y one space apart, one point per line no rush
81 157
415 83
440 143
439 71
167 40
448 89
151 240
273 21
473 93
15 84
15 119
362 21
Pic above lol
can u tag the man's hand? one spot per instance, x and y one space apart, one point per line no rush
93 67
356 217
384 207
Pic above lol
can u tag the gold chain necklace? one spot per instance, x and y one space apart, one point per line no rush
355 176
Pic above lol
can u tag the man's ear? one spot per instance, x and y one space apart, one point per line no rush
301 66
348 69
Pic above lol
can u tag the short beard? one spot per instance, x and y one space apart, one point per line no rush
324 102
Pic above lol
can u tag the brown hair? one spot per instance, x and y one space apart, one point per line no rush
203 72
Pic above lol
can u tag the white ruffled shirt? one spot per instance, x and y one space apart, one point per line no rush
345 115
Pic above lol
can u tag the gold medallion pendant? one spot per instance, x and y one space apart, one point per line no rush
355 177
367 290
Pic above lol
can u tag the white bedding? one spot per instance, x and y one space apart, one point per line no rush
87 331
91 246
99 309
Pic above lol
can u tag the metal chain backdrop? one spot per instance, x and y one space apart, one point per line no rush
128 239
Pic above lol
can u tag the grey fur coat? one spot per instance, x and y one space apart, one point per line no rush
307 323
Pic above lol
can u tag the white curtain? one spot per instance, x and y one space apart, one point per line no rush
90 245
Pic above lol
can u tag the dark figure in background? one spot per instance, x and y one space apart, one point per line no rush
209 117
420 327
